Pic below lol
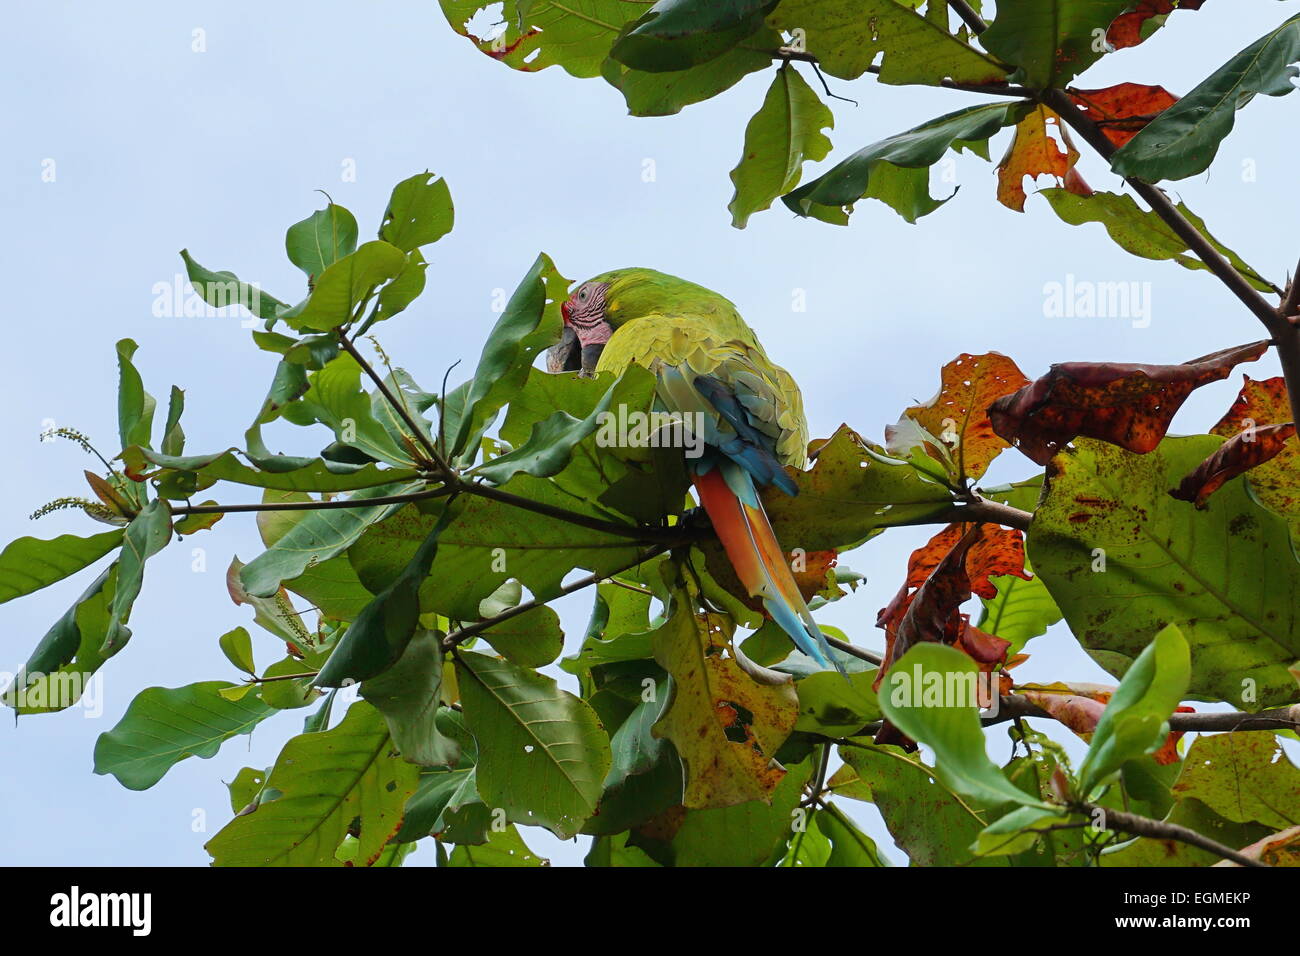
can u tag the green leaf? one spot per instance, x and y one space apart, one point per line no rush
663 94
1141 231
835 706
849 845
550 445
1196 816
135 406
531 322
327 781
503 848
29 564
407 694
531 639
1122 559
173 440
344 286
296 474
1183 140
419 212
784 133
162 726
317 537
146 535
931 824
55 675
222 289
852 492
678 34
541 33
380 635
536 550
1052 41
322 239
1021 610
1136 720
931 695
847 36
238 648
868 173
404 289
1243 777
1016 832
542 752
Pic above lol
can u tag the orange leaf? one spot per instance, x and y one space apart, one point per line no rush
958 415
1034 153
1237 455
1122 110
1126 30
1265 402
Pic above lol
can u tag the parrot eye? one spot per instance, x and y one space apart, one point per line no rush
582 295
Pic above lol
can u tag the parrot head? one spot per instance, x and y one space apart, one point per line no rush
597 308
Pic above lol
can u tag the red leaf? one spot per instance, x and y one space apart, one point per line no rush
1126 30
1122 110
1124 404
1238 454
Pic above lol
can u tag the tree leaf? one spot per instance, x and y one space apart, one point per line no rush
343 286
317 537
419 212
316 475
1275 484
162 726
1052 41
322 239
1123 559
407 694
1020 610
852 492
1123 110
1140 231
29 564
380 636
930 695
1136 720
666 93
1183 140
1244 778
135 406
1147 16
531 321
542 752
223 289
1128 405
326 781
503 848
726 727
852 179
1034 153
238 648
146 535
531 639
541 33
679 34
784 133
847 36
1236 456
958 414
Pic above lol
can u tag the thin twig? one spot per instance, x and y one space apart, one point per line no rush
465 633
968 16
862 654
313 505
417 432
1163 830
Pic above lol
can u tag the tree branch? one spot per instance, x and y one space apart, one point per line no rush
438 492
968 16
456 638
1121 821
988 89
417 432
861 653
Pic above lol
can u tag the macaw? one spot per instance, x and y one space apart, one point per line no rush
710 368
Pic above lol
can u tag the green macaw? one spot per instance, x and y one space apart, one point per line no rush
711 371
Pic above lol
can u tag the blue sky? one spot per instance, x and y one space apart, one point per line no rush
156 147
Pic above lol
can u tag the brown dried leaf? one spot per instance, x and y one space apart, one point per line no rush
1128 405
1237 455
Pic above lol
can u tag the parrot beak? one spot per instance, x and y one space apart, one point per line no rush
590 356
565 355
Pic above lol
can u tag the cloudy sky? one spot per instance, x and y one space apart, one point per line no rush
123 144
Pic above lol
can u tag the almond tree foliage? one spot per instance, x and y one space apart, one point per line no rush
417 553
